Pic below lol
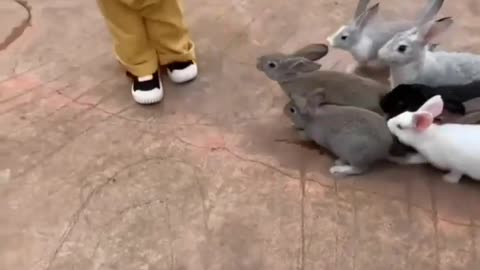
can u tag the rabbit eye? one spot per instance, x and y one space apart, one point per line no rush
344 37
272 65
402 48
292 110
399 126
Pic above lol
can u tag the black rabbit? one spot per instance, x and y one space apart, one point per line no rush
410 97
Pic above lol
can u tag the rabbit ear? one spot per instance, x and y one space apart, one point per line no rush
315 99
361 6
432 47
305 99
433 106
299 99
302 65
432 29
312 52
366 16
422 120
317 96
429 12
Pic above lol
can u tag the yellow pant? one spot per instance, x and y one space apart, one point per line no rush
147 33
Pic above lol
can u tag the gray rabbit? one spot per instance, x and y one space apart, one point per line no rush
367 32
358 137
411 63
298 73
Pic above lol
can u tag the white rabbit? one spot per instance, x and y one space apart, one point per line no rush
367 32
451 147
412 63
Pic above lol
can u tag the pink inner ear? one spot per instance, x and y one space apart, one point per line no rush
423 121
434 106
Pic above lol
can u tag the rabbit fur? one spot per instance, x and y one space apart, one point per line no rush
410 97
367 32
358 137
298 73
450 147
412 63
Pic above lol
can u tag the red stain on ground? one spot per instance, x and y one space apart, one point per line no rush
56 101
215 142
207 138
18 85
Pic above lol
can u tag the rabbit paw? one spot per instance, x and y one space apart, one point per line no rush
416 159
452 177
352 68
344 170
340 162
302 136
409 159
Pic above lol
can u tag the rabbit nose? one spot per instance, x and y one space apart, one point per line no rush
383 52
330 40
259 64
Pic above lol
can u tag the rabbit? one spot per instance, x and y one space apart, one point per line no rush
297 73
410 97
298 121
411 63
397 150
358 137
450 147
367 33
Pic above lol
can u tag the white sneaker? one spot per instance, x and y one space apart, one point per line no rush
148 89
181 72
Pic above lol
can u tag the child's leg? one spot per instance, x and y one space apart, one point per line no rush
169 35
133 49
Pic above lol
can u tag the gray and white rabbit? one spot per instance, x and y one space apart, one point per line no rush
411 63
358 137
298 73
451 147
367 32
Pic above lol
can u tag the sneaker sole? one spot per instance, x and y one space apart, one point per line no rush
148 97
190 71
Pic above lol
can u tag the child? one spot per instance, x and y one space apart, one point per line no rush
148 34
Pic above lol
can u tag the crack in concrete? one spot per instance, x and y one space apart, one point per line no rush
434 217
96 190
474 241
302 216
206 216
141 205
52 153
311 180
58 77
170 236
355 230
408 192
131 208
229 151
18 30
75 218
67 233
337 218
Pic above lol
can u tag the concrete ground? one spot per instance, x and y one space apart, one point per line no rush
211 178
